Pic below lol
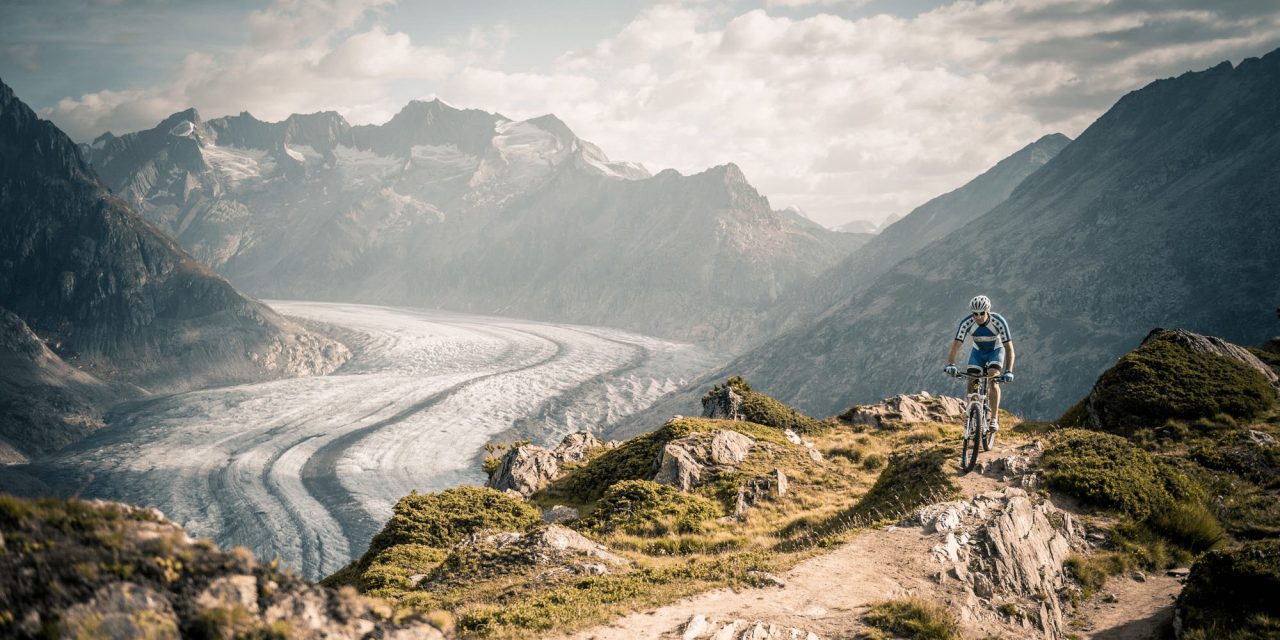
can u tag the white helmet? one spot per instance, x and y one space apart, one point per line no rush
979 304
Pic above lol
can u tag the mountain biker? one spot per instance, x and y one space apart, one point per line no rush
992 349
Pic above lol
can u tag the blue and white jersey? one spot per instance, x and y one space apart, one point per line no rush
986 337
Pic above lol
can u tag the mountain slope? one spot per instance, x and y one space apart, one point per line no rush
1165 212
114 295
45 403
466 210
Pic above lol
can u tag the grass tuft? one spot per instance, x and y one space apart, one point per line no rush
914 619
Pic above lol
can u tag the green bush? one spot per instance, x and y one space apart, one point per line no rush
1163 380
762 409
392 568
441 519
1106 471
1091 572
1188 525
644 507
913 478
914 619
1271 358
1234 592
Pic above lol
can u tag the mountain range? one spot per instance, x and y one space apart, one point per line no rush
1164 212
96 304
469 211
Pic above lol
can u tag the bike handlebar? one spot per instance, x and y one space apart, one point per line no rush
966 374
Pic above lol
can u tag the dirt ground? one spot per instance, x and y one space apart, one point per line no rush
828 594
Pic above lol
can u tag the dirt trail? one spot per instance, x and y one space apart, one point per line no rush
828 594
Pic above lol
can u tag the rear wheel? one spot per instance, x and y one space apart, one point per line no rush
972 434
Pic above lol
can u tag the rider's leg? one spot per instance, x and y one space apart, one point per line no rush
994 395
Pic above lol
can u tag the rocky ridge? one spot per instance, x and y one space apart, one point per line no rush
106 570
489 215
1096 247
114 297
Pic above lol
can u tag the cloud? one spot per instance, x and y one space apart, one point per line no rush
862 118
301 56
845 117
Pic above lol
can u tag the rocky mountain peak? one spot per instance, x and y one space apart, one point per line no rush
556 127
30 145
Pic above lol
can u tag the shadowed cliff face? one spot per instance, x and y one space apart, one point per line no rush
469 211
1163 213
113 295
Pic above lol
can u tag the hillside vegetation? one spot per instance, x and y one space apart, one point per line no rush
667 543
1183 447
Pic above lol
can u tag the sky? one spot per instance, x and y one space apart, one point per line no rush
847 109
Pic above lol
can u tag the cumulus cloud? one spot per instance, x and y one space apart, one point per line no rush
301 56
845 117
863 118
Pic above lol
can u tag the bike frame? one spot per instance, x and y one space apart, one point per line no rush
977 399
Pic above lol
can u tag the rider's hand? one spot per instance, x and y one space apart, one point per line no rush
1007 377
950 370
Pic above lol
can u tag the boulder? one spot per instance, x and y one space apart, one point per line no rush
724 403
906 409
525 469
559 514
691 460
576 446
122 610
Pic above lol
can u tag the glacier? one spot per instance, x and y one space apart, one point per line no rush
308 469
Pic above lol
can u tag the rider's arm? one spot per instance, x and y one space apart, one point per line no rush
955 350
1008 356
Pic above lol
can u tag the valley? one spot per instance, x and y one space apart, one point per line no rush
309 468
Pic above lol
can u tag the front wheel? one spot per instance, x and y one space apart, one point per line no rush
972 436
988 437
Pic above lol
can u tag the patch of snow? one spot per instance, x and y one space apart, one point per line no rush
237 165
294 154
182 129
363 168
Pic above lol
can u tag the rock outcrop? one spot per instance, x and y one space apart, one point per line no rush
59 573
700 626
759 489
525 469
1211 344
905 409
689 461
557 550
1007 550
723 403
575 447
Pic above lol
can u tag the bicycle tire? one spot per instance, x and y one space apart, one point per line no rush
969 449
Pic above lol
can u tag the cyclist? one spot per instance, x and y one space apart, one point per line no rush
992 349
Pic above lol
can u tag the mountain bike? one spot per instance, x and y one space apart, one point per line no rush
977 424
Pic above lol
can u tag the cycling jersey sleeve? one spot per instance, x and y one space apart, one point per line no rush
1002 327
965 325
